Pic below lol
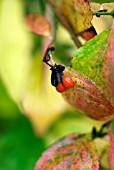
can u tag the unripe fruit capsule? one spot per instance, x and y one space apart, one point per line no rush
67 82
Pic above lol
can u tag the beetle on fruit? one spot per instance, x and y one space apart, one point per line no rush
58 79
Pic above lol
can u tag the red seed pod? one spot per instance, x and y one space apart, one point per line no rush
60 88
67 81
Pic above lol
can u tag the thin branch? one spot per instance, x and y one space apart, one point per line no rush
104 13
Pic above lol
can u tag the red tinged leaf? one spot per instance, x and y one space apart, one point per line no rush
111 152
95 60
87 98
73 151
38 24
108 67
88 34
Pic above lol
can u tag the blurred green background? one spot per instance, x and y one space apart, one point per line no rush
20 144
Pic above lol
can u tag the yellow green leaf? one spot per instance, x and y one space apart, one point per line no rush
22 74
77 13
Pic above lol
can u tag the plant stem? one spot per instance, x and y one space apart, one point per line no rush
104 13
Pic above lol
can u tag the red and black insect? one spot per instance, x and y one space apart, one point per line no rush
58 80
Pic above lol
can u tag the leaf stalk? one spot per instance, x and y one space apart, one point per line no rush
98 13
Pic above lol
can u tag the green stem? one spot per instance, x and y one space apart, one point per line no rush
104 13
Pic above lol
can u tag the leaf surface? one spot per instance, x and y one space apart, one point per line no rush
96 61
38 24
111 151
15 48
87 98
73 151
77 13
74 15
25 77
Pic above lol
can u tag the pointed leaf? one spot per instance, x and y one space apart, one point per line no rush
111 151
14 48
74 151
86 97
96 61
74 15
78 14
38 24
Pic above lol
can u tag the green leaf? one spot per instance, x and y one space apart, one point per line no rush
23 75
88 58
73 151
14 48
96 61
